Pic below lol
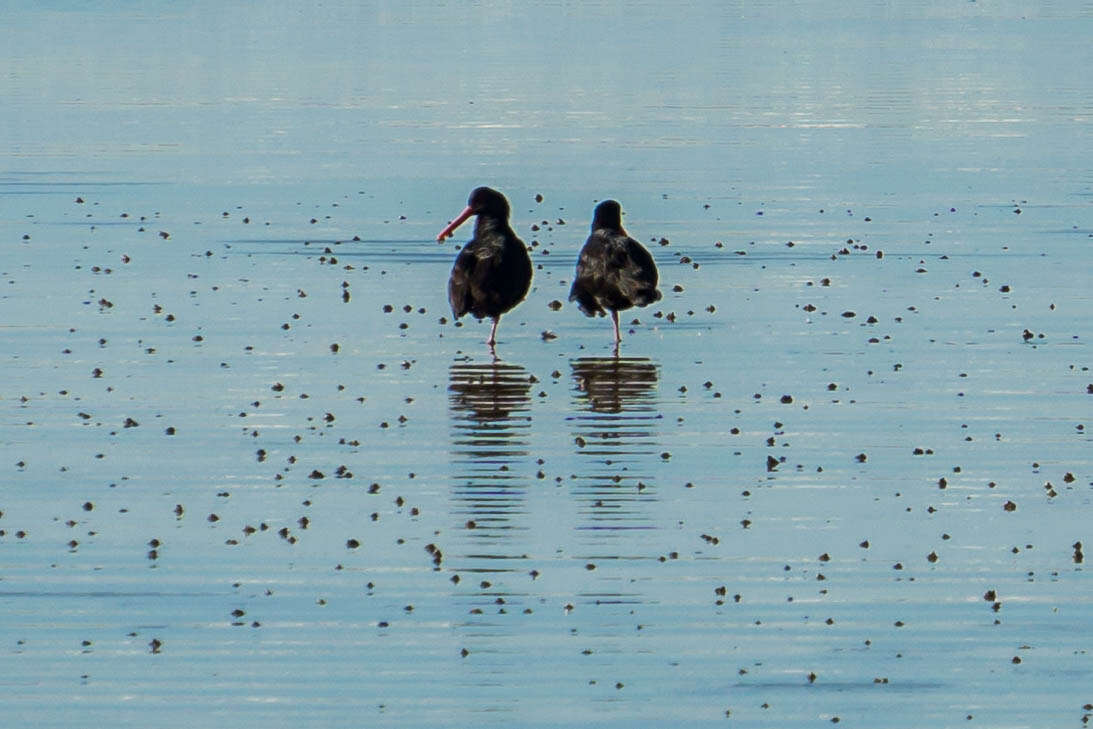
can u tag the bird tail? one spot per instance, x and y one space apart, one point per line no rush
646 296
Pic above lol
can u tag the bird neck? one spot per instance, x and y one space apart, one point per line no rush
487 225
611 230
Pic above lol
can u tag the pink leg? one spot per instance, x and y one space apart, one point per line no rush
493 332
615 321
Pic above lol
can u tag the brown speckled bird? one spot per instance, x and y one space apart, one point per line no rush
614 271
492 273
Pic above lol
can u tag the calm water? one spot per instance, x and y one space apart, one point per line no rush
253 475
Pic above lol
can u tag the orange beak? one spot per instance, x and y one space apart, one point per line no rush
467 212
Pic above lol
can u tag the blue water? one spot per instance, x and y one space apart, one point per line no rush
254 475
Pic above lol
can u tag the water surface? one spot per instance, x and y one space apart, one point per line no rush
254 474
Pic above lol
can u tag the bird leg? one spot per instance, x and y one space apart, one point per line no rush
615 321
493 331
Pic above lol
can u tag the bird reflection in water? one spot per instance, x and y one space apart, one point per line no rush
490 412
616 437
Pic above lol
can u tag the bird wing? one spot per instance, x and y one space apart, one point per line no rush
614 272
640 269
490 276
591 274
459 283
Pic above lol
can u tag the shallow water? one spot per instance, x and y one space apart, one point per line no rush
817 483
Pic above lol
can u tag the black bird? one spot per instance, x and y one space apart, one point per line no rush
492 274
614 271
